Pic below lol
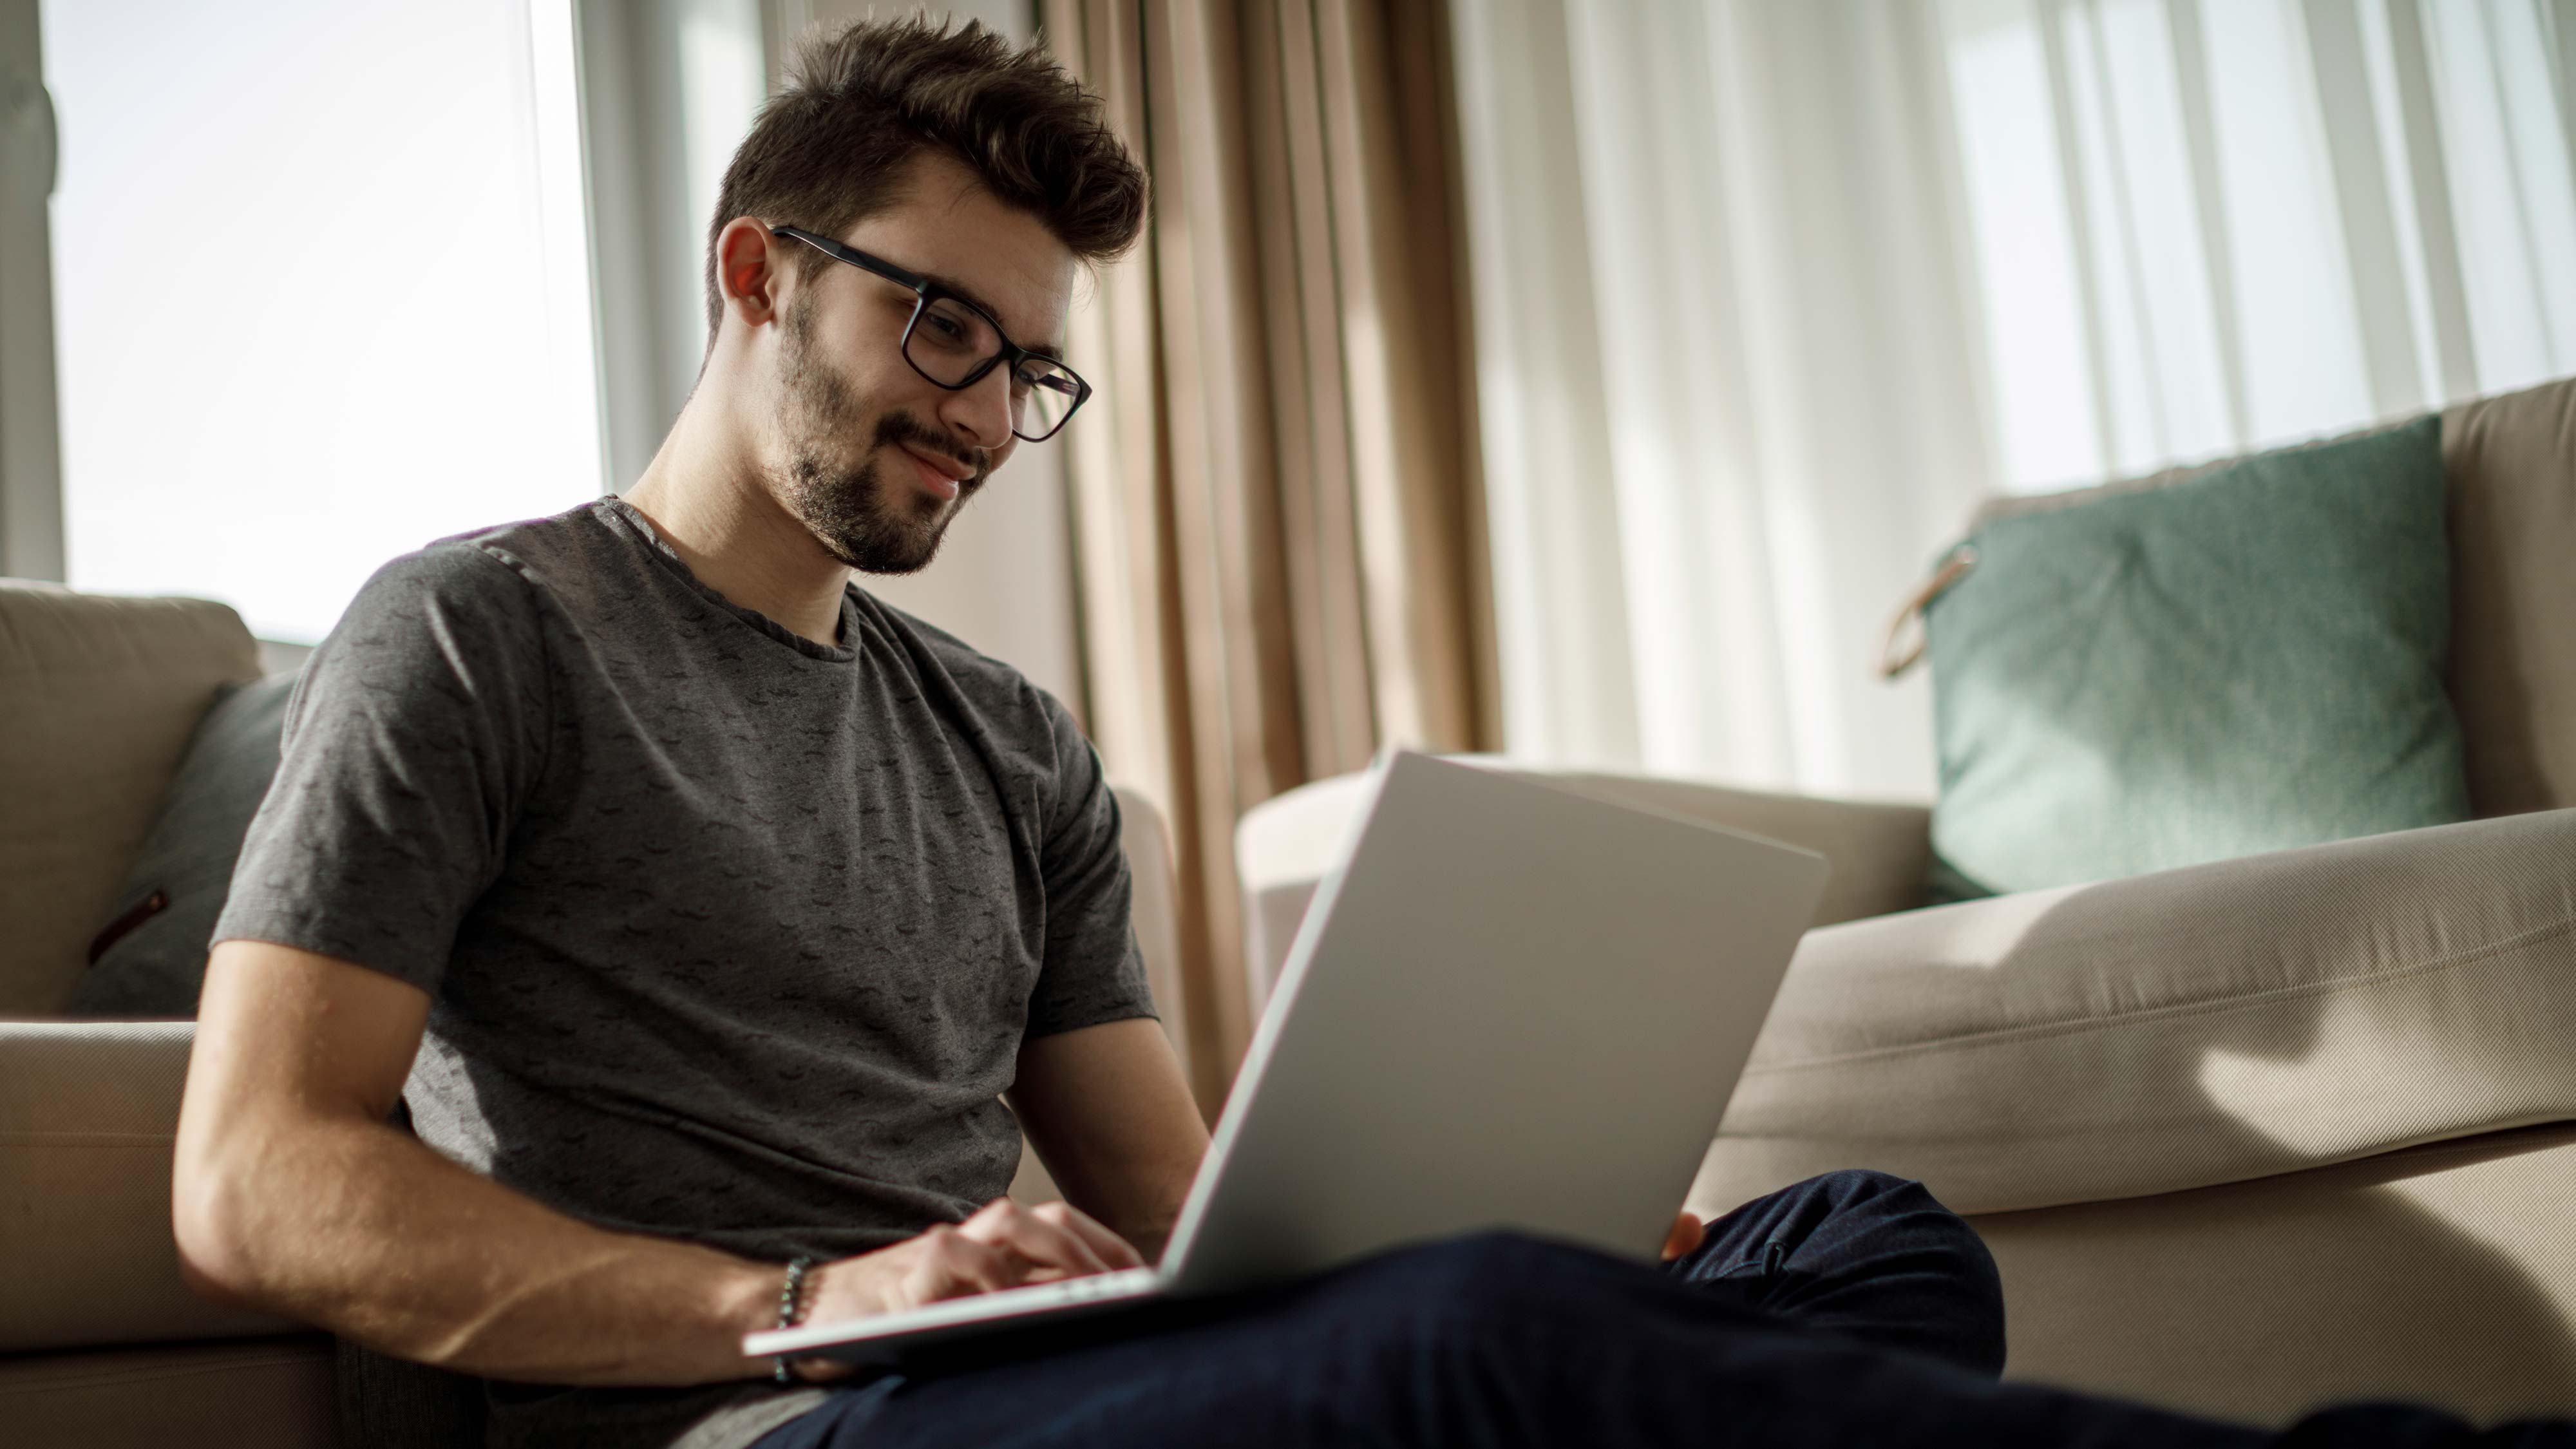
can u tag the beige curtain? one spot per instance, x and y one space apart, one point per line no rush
1279 541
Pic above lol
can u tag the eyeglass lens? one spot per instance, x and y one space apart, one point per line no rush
949 340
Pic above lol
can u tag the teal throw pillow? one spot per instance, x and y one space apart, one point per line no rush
149 960
2247 661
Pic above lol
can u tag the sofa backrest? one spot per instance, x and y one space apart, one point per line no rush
97 697
2510 462
2512 467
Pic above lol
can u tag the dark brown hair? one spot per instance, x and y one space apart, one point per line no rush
862 101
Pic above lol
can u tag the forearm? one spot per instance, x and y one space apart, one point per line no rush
1145 1227
1150 1242
1141 1204
358 1228
1113 1121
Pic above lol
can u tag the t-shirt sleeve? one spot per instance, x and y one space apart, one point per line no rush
411 741
1094 972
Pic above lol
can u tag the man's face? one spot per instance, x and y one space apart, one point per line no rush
877 458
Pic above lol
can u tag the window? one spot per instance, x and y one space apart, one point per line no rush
321 290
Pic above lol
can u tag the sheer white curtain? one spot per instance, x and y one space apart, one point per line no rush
2202 227
1769 292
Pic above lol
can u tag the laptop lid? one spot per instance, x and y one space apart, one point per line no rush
1511 1006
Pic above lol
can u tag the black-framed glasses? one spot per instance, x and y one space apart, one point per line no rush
954 343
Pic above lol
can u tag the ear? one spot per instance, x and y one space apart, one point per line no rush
749 268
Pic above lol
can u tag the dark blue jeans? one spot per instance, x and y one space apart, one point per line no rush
1851 1309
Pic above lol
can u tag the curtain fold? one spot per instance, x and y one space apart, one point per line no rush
1732 375
1275 497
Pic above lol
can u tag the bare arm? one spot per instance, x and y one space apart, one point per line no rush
292 1193
1112 1119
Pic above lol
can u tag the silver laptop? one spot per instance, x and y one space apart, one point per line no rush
1510 1006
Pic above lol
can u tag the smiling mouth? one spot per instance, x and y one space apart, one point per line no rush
941 479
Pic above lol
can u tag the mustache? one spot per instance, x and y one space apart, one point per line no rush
903 430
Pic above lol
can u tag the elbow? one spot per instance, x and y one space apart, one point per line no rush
207 1286
206 1226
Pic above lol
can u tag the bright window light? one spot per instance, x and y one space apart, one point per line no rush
2294 299
2048 430
321 290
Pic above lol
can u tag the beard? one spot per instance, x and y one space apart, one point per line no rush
853 513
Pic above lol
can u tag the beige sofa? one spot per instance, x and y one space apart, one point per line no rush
2244 1139
2247 1138
101 1345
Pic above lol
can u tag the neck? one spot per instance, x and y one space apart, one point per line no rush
710 504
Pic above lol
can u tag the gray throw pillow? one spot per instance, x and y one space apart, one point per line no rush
150 958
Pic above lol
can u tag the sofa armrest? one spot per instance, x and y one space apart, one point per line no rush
88 1111
1148 844
1881 852
1284 847
2215 1024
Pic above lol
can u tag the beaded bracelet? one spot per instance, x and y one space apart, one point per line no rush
791 1308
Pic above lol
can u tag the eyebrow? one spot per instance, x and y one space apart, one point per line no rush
1052 352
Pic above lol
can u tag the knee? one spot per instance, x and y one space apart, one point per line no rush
1892 1228
1860 1193
1854 1185
1976 1285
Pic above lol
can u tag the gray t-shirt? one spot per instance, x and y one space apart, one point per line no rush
730 936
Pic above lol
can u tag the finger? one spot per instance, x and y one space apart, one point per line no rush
1687 1234
1114 1250
1045 1245
991 1225
954 1265
821 1370
1006 1225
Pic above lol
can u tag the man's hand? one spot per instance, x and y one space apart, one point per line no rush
1686 1234
1002 1246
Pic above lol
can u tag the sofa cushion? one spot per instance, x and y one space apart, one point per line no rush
2176 1030
268 1393
1148 845
2249 661
87 1115
154 957
97 696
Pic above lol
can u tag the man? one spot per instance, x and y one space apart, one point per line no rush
701 910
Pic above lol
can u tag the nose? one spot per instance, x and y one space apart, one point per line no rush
981 413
